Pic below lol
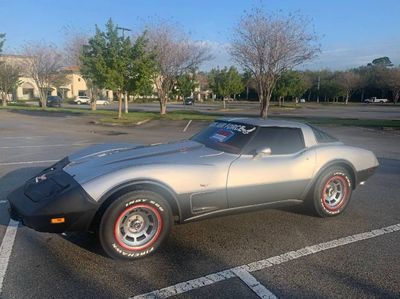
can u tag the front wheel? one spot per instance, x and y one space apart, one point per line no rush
135 225
332 192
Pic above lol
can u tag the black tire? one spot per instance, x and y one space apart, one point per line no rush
135 225
332 192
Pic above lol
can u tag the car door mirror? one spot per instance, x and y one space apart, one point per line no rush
262 152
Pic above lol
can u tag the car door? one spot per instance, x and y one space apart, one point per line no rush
280 176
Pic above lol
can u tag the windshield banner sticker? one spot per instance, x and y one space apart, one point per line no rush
222 135
234 127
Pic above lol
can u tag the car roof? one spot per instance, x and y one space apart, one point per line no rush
262 122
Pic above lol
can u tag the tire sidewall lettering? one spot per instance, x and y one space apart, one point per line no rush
339 210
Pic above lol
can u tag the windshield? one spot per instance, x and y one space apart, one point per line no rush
226 136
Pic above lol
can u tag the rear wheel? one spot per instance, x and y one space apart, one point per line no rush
135 225
79 102
332 192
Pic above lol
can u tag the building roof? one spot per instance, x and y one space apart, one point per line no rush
72 68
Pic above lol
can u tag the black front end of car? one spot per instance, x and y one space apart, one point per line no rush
53 202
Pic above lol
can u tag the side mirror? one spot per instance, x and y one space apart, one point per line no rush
262 152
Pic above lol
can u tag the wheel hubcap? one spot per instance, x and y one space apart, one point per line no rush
335 192
136 227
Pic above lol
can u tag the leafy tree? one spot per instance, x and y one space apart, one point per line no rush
141 67
2 40
105 61
185 85
9 80
382 61
226 82
291 83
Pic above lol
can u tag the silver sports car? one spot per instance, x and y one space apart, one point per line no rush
132 194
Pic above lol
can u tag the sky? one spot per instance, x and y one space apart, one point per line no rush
351 33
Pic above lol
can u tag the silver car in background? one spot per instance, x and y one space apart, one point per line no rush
132 194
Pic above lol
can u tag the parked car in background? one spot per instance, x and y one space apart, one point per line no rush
127 194
54 101
82 100
102 102
375 100
188 101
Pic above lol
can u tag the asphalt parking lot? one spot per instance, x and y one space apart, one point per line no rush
288 252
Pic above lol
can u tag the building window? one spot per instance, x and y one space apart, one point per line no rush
27 93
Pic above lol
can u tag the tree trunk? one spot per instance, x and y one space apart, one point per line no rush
4 98
126 102
265 103
396 96
347 98
362 94
309 95
42 98
163 106
119 104
280 101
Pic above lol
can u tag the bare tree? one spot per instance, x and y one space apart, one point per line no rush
73 47
267 45
43 64
393 83
174 54
350 82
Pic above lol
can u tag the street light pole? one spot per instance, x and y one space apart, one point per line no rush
126 94
123 30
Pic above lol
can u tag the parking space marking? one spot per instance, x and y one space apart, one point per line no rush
6 248
253 284
22 137
27 162
189 285
187 126
44 145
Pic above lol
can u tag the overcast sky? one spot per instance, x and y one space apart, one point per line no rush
352 32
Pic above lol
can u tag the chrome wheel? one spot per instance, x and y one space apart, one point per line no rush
137 227
335 192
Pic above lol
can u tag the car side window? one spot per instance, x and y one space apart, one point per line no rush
282 141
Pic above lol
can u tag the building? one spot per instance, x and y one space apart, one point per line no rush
74 85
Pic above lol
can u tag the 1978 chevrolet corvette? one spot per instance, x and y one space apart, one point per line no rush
132 194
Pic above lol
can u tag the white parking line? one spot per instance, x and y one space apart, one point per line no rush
44 145
187 126
27 162
253 284
6 248
22 137
189 285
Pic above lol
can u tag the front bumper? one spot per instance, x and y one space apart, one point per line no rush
365 174
35 204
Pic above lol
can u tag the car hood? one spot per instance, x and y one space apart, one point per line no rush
105 158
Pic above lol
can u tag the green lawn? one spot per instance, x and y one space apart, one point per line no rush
133 118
